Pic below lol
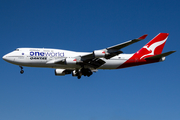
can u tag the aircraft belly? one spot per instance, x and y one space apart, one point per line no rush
112 64
66 66
51 65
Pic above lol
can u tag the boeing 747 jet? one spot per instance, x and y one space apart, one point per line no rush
85 63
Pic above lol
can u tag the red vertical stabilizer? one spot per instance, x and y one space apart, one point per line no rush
154 47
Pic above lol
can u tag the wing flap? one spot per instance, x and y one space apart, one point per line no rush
87 57
94 63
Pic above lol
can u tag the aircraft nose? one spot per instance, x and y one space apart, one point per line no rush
4 57
8 58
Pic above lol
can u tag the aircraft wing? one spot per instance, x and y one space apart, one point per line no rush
111 51
122 45
92 63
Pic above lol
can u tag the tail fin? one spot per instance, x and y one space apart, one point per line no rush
154 47
150 53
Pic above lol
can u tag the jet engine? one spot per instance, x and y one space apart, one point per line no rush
62 72
71 61
99 53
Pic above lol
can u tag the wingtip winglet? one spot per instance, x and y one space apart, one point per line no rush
143 37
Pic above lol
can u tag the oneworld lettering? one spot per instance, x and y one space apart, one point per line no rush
51 54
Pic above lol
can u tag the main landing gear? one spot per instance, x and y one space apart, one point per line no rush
84 71
22 71
79 77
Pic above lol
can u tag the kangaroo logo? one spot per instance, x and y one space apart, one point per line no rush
151 48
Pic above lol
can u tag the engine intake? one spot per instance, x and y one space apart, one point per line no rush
62 72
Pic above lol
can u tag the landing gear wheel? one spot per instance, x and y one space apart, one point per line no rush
22 71
79 77
86 72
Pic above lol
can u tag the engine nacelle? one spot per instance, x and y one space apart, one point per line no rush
61 72
99 53
71 61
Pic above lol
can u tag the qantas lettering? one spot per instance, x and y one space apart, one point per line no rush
52 54
38 58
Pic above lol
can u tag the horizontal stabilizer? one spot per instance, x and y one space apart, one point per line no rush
159 56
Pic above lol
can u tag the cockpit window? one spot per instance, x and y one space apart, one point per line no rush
16 50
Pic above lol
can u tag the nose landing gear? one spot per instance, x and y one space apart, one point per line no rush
22 71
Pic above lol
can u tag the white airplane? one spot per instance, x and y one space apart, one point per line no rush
85 63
